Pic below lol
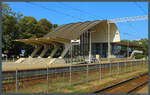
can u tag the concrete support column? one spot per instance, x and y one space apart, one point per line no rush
66 48
109 46
56 47
44 50
37 48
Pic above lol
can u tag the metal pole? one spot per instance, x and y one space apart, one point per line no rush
6 58
143 64
127 56
131 66
87 72
118 69
47 79
13 59
127 50
16 80
90 49
136 65
110 68
100 71
109 51
125 67
71 68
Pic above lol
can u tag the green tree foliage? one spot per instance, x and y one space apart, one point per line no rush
16 26
42 27
10 28
143 43
139 56
6 10
27 27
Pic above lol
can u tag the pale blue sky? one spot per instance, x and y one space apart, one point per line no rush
68 12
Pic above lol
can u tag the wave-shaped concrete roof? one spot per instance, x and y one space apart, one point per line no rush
72 30
63 33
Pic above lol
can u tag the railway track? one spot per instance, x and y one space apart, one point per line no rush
127 86
140 86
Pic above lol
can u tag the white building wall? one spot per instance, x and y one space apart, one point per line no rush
101 34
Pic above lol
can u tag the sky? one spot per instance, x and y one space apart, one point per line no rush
68 12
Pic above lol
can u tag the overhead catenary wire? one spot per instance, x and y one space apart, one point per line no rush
132 27
53 10
79 10
130 32
140 7
136 33
129 19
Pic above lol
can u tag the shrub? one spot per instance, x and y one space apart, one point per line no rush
139 56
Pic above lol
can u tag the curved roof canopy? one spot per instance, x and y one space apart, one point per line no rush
72 30
64 33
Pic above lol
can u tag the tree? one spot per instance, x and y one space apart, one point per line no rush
6 10
143 43
42 28
16 26
9 28
27 27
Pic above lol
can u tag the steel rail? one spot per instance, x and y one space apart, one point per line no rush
135 88
122 82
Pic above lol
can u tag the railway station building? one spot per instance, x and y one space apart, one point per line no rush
93 35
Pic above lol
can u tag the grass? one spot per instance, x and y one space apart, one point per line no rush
7 81
37 85
81 91
70 87
55 91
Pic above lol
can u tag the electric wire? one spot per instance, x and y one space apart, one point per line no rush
62 13
79 10
140 7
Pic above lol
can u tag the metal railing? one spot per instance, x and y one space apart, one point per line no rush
57 78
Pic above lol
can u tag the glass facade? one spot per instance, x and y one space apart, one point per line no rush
82 50
102 48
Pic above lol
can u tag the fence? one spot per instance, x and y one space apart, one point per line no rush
9 59
52 79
